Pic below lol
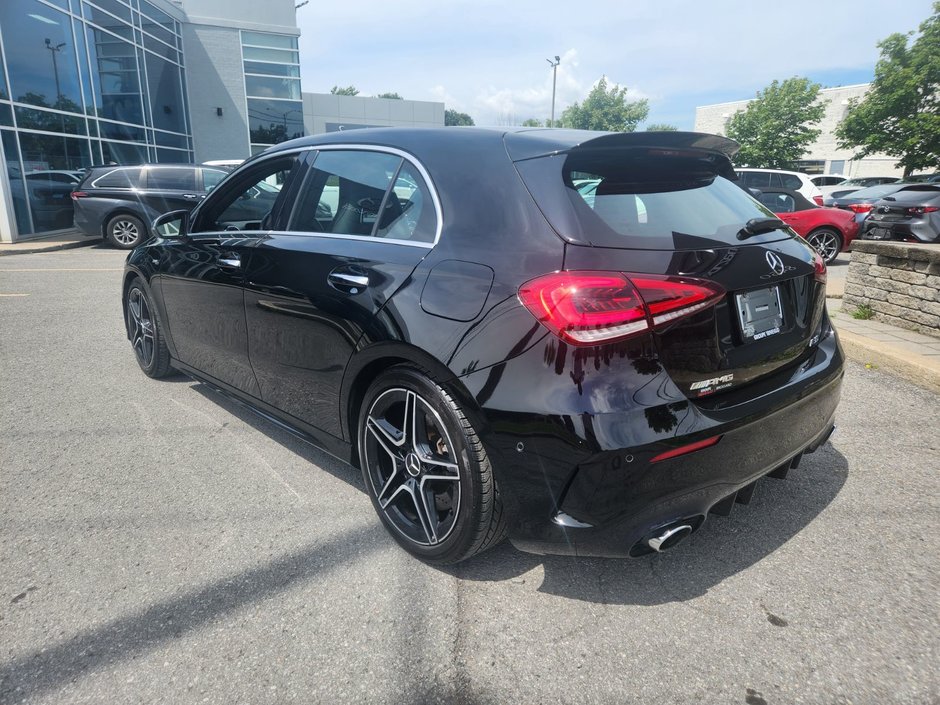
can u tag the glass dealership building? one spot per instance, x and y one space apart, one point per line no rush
87 82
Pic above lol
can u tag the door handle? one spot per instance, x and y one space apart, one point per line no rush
348 282
191 196
233 261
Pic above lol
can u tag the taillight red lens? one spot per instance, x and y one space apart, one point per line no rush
920 210
686 449
591 308
860 207
77 194
818 200
819 268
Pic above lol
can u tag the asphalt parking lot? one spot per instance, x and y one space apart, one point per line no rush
160 544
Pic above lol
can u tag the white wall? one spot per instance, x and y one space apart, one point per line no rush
321 109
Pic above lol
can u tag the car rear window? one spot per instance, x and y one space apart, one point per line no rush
916 194
119 178
624 198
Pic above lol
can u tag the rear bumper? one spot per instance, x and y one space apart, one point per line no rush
923 231
594 491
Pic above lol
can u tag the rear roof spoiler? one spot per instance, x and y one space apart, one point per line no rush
532 144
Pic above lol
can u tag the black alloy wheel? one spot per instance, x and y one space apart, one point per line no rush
125 231
426 470
827 242
145 333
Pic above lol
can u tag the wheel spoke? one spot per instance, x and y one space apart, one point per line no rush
386 434
425 515
388 484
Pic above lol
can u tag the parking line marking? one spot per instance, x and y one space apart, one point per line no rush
14 294
66 269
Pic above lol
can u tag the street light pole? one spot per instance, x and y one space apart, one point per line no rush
554 65
55 49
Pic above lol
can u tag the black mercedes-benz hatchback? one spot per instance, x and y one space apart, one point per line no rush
586 342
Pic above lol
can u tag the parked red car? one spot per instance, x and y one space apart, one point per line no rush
829 230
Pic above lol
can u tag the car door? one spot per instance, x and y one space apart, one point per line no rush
203 277
363 220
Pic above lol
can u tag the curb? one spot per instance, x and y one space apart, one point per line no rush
871 352
51 248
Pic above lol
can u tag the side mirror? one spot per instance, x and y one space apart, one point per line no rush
174 224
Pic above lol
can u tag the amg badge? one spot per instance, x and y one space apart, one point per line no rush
705 383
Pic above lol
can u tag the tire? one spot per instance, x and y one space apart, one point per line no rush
125 231
827 242
429 479
145 331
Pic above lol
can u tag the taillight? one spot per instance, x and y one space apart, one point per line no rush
920 210
686 449
590 308
819 268
818 200
77 194
860 207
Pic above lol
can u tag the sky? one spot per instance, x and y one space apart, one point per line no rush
488 58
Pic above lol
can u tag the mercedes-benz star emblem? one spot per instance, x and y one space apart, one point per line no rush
775 263
413 465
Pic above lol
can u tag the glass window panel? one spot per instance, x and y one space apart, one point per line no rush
40 55
274 121
276 55
258 148
263 39
51 202
6 115
121 132
164 139
173 156
166 96
409 212
264 87
30 119
122 153
157 30
171 178
112 24
11 154
159 16
344 193
161 49
88 93
211 178
112 6
4 93
286 70
60 3
114 77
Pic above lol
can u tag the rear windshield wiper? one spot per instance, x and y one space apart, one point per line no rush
756 226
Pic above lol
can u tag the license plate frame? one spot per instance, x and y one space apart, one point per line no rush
760 313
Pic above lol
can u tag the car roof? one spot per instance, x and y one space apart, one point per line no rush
773 171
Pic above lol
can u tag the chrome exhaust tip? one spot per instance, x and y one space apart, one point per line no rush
669 538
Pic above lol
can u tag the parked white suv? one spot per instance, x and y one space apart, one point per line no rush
776 178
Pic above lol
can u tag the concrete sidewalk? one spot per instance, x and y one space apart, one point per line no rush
60 241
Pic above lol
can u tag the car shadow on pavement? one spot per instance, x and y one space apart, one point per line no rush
722 547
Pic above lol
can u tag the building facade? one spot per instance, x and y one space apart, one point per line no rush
325 112
824 155
87 82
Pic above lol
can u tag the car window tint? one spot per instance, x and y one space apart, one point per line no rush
345 191
171 179
408 213
756 179
778 202
791 181
211 178
119 178
248 202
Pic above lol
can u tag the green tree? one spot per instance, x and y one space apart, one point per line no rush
661 127
348 90
606 109
776 129
531 122
900 114
452 117
390 96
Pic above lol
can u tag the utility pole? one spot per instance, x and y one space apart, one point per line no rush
55 49
554 65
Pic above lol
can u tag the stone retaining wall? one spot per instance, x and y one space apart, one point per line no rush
899 281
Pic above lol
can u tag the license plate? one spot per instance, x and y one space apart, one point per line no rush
760 313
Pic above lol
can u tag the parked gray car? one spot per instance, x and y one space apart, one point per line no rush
119 202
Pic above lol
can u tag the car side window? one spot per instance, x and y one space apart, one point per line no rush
791 182
119 178
248 202
409 212
345 191
171 178
211 178
778 202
